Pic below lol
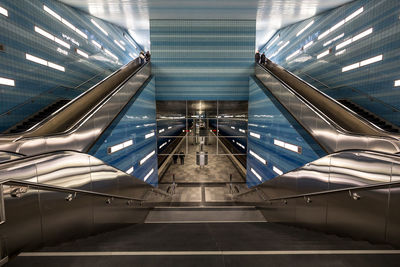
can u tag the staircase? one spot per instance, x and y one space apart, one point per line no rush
37 117
211 236
381 123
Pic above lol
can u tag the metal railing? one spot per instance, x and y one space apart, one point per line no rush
371 98
48 91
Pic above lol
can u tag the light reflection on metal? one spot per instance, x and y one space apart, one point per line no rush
329 135
84 133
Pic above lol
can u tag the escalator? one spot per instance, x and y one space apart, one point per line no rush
334 126
370 116
36 118
78 124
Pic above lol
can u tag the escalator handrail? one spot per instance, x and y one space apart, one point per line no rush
323 115
78 98
380 132
110 93
84 116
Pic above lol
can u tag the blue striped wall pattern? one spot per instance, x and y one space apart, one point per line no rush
202 59
133 124
269 120
37 85
371 86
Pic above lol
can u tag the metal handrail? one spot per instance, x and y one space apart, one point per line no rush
336 191
8 112
96 107
357 90
322 114
65 189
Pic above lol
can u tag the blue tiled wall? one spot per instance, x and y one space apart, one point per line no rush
202 59
371 86
271 121
43 84
134 122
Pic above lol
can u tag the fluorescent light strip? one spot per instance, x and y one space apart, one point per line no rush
355 38
276 170
233 127
307 45
147 157
341 23
98 26
258 157
256 174
51 12
351 67
81 33
3 11
355 14
130 38
273 41
5 81
111 54
36 59
293 54
287 146
120 45
51 37
69 25
169 127
239 144
340 52
255 135
149 135
96 44
120 146
305 28
64 21
242 131
371 60
130 170
148 175
323 54
334 39
44 62
363 63
162 130
80 52
397 83
132 55
55 66
162 145
280 48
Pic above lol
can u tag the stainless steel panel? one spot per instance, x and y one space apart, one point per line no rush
74 217
313 177
393 215
349 169
364 218
81 136
22 226
327 133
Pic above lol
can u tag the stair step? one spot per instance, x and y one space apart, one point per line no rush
218 214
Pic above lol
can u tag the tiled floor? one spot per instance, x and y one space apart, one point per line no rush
218 169
200 185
